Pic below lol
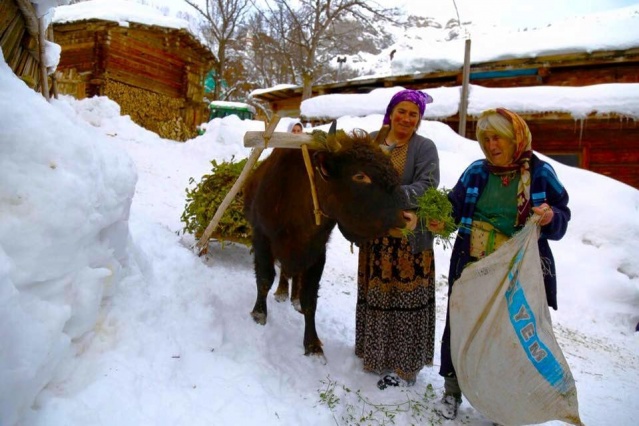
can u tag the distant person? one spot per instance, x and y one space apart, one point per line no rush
395 314
492 200
295 127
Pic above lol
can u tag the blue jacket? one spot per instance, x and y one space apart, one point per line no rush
545 188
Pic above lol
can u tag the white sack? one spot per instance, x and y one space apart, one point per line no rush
508 362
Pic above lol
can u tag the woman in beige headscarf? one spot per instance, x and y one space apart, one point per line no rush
491 201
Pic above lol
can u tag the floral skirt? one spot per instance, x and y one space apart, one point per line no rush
395 316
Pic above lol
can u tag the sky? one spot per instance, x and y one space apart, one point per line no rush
107 317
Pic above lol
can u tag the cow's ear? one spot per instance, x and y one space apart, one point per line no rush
321 164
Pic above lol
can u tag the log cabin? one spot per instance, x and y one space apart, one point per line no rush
155 73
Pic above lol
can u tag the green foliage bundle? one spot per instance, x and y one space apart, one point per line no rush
203 200
353 408
434 205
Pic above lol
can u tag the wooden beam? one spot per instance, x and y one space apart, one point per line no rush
202 244
44 83
463 100
280 140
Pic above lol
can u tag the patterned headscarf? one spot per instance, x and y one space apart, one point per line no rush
520 161
417 97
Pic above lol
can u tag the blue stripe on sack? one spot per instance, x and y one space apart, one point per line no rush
525 324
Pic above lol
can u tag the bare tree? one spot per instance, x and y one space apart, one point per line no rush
222 19
307 34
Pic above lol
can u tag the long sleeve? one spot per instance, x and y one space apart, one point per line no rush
422 170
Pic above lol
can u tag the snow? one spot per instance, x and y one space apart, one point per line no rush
616 29
108 317
579 102
121 11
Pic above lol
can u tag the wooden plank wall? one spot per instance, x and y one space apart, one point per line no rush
605 145
19 47
155 74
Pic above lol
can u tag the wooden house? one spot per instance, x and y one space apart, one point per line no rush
19 40
604 143
156 74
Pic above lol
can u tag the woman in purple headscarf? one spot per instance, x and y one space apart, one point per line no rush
395 319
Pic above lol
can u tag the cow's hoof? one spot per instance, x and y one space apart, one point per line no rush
297 305
259 317
317 356
280 297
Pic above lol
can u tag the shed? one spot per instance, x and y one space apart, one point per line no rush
155 73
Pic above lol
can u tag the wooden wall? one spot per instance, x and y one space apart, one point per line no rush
155 74
18 40
608 145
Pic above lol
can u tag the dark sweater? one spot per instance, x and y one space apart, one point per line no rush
545 188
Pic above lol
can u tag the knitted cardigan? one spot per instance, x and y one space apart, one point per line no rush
421 172
544 188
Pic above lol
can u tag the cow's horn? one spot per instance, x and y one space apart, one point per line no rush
381 135
387 149
331 139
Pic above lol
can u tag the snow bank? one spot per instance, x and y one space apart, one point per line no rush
64 238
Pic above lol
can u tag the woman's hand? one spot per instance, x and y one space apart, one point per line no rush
436 226
411 219
545 212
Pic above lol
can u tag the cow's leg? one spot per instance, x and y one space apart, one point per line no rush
281 293
295 293
264 275
308 298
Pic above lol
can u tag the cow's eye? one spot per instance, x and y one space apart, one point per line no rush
361 178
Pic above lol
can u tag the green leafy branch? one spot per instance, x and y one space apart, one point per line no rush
203 200
434 205
363 411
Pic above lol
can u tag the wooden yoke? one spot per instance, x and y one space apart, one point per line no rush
202 244
292 140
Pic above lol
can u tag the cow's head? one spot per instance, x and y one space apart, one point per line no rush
360 187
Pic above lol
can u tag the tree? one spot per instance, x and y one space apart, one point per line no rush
308 34
221 22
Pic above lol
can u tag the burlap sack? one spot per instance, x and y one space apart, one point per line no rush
509 365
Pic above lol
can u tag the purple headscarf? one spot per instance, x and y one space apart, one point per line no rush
417 97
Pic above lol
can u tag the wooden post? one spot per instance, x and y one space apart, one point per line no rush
44 83
203 243
54 78
463 101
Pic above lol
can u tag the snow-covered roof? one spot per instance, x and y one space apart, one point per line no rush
420 52
579 102
231 105
120 11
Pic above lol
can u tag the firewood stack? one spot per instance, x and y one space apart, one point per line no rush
158 113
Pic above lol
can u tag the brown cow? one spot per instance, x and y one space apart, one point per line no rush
357 188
